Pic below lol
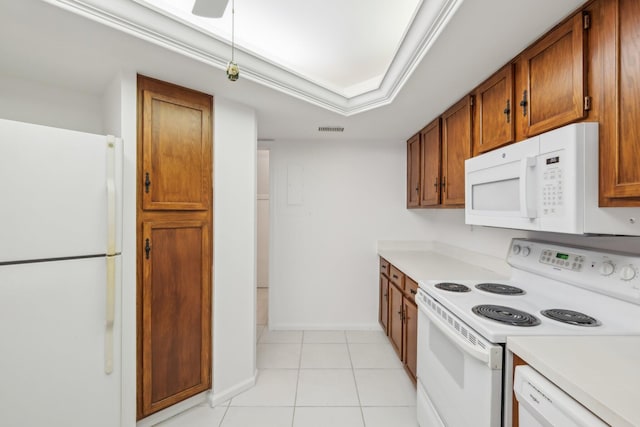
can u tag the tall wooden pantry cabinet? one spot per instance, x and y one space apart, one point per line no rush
175 244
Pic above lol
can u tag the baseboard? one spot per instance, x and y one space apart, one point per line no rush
217 398
324 326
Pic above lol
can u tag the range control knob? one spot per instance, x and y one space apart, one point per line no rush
627 272
607 268
516 249
526 251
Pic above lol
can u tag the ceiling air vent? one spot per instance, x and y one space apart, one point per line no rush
330 129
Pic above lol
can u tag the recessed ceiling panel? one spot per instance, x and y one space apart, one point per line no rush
344 46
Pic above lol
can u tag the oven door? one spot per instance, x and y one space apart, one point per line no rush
459 372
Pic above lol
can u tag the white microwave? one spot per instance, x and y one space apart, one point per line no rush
545 183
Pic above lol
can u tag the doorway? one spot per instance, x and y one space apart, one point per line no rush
263 201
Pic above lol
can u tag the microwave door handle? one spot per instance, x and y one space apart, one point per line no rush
527 187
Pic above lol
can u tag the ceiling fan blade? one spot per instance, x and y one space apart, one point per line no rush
209 8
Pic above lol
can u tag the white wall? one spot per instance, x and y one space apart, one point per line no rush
234 305
331 203
327 219
49 105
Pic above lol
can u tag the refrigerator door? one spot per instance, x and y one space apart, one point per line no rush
52 363
56 193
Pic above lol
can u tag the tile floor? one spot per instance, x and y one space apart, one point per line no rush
317 379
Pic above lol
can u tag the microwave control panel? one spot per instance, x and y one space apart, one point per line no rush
552 191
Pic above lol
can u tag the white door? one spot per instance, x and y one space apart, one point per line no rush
52 357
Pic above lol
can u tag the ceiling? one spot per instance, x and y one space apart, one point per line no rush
329 42
83 44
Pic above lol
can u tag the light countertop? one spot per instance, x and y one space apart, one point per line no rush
602 373
437 261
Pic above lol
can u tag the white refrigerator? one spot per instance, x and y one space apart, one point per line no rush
60 277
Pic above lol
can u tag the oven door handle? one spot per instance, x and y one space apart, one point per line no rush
492 356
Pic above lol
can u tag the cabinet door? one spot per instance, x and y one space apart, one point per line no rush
383 315
494 111
176 148
620 129
175 323
430 164
554 73
395 318
456 148
413 171
410 341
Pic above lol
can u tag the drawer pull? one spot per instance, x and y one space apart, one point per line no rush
395 276
413 291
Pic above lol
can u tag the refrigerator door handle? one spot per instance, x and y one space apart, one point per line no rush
111 300
111 195
111 249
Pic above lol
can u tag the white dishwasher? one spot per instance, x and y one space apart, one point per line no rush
543 404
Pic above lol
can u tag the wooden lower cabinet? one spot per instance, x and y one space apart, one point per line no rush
410 338
395 318
399 311
383 315
175 329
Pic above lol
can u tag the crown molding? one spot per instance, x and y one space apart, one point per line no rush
149 24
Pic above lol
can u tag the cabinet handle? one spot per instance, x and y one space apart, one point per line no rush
147 249
395 277
444 183
417 189
507 111
147 182
435 185
413 291
524 103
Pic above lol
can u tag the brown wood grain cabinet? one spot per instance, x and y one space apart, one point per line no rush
398 314
456 148
431 139
383 311
620 115
410 338
413 171
493 112
551 89
423 167
175 311
175 245
396 317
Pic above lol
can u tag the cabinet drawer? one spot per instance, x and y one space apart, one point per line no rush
384 266
410 288
397 277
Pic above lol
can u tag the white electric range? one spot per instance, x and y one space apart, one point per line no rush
463 325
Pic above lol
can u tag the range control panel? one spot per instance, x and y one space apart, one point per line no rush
613 273
558 259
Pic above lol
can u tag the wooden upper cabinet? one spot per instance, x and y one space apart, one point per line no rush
176 153
493 121
620 124
413 171
551 91
456 148
430 164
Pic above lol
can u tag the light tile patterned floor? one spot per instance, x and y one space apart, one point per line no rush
317 379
